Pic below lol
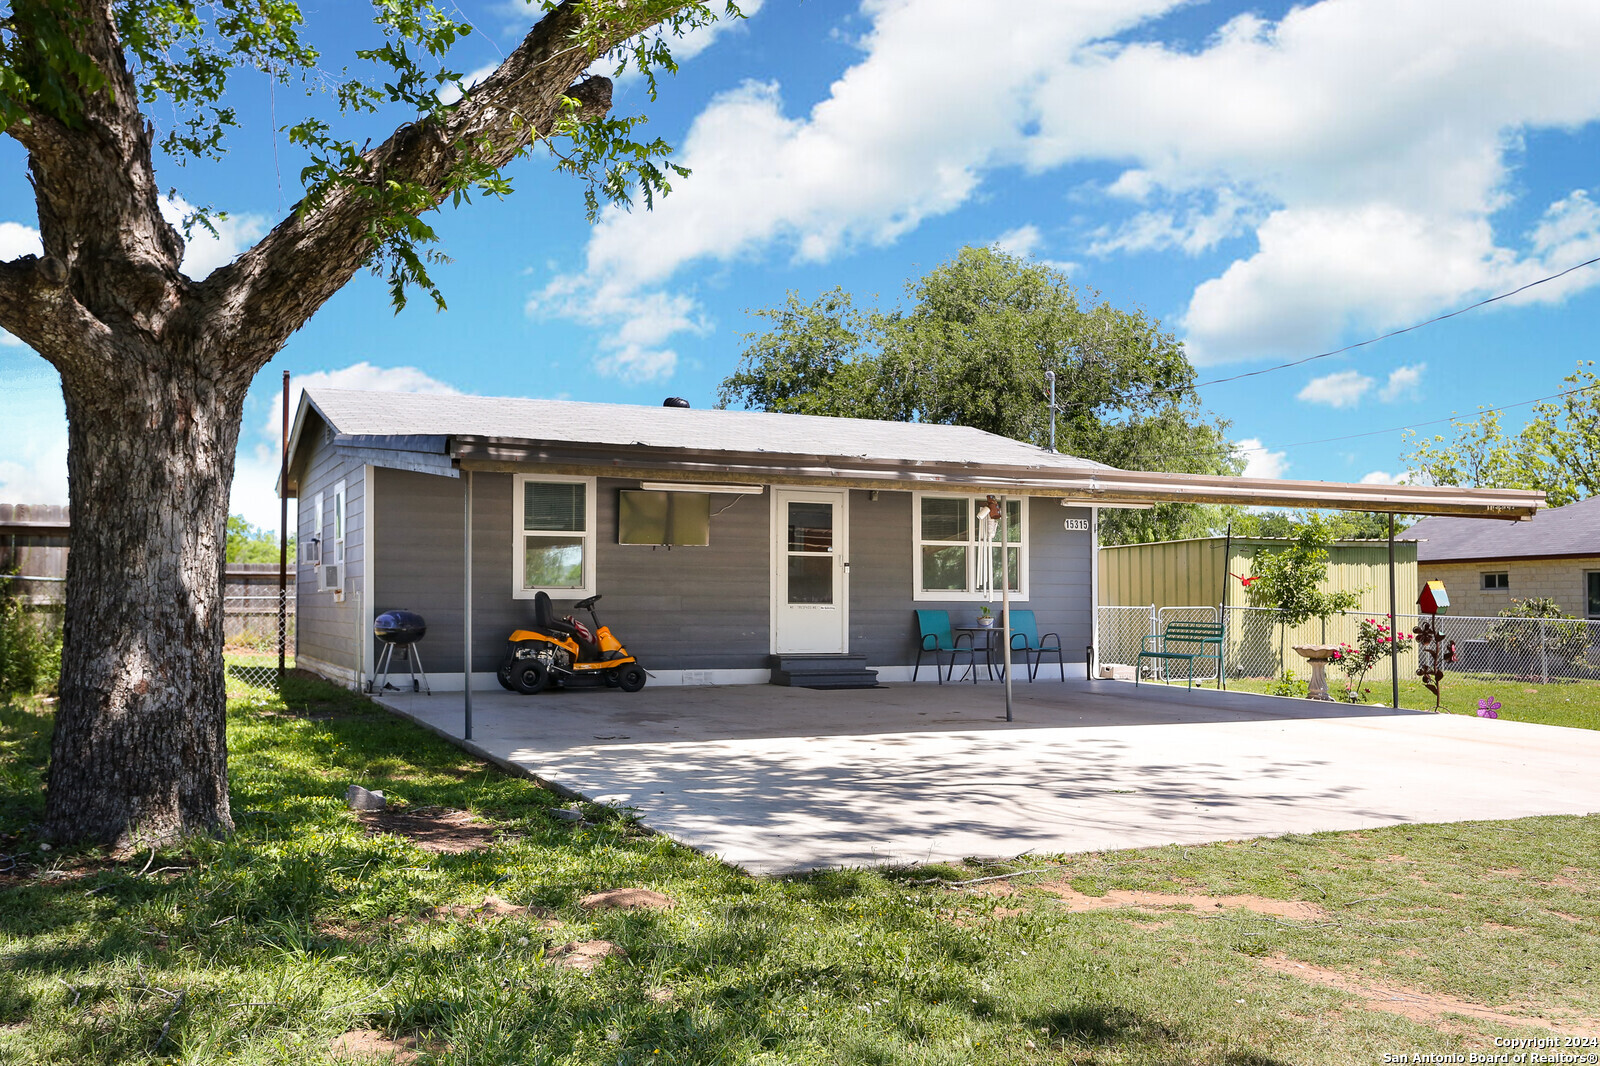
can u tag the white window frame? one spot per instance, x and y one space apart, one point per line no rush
1588 576
332 553
971 595
1485 575
520 535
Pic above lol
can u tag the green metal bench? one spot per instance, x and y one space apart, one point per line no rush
1184 640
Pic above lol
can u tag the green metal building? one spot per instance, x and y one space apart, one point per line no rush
1209 572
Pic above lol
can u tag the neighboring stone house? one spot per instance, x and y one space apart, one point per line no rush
1485 565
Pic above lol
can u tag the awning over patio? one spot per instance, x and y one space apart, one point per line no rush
1085 485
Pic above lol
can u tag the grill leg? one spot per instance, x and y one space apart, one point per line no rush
416 659
385 657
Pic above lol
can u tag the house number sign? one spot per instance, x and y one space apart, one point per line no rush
1076 525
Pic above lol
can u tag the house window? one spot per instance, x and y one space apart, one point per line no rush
1497 582
946 548
330 575
553 536
311 550
1592 600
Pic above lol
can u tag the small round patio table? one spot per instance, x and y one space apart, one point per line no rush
989 646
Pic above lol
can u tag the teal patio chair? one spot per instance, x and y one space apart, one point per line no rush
1025 638
933 628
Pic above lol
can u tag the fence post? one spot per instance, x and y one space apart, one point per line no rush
1544 662
1158 668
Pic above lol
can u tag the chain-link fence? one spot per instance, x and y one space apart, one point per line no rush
250 642
1541 650
1121 632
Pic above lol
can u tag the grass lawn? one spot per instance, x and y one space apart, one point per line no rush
304 932
1568 703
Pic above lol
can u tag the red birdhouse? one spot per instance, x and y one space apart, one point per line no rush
1434 599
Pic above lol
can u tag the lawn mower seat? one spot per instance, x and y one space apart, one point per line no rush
544 616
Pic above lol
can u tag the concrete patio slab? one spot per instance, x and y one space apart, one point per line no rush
780 779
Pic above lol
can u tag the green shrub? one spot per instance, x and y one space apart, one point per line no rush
1518 640
30 646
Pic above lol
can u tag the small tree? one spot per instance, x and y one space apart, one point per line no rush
1289 581
252 544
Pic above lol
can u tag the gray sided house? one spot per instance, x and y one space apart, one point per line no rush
716 538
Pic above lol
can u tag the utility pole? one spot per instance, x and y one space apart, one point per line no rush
1050 376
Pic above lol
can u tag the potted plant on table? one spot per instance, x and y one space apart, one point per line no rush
985 616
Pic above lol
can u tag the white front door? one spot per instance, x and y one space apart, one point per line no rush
808 578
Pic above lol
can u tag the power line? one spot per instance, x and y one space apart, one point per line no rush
1432 422
1369 433
1404 329
1180 389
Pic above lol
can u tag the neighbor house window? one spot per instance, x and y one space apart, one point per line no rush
947 555
1497 581
553 536
1592 580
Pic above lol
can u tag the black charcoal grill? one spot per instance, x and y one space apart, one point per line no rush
403 630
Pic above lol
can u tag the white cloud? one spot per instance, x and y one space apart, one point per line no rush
635 324
203 250
449 94
17 240
256 466
1259 460
1343 388
699 39
1362 145
1403 382
362 375
1022 241
1383 477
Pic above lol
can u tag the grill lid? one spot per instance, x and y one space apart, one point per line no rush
400 627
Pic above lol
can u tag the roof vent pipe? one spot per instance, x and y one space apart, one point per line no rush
674 401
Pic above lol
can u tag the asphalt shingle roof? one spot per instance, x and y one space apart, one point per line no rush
405 414
1570 530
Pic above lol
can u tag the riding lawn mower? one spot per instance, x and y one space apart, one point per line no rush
560 650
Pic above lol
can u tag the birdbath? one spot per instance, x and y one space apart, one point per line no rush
1317 655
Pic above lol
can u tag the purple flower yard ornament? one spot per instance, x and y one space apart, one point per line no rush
1488 707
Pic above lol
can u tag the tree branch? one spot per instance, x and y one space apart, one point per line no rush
95 189
38 308
271 290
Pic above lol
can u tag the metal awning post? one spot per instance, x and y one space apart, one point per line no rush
466 613
283 535
1005 599
1394 635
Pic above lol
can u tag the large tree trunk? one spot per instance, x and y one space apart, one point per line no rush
139 753
155 367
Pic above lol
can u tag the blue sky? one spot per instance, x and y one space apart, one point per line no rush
1270 181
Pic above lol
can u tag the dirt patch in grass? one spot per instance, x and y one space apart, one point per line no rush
492 907
585 955
1115 898
433 828
373 1045
627 899
1427 1007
